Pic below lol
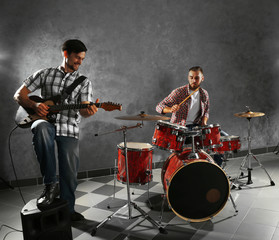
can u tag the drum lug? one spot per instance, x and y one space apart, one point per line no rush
206 131
148 172
154 140
192 155
168 183
179 138
157 127
174 132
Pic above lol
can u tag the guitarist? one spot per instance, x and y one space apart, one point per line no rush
64 130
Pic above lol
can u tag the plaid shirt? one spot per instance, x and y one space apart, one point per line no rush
51 82
176 97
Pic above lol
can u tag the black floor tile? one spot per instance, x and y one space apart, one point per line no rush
107 190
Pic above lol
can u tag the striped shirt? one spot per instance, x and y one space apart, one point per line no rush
51 82
176 97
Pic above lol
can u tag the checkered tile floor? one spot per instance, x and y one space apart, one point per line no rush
257 204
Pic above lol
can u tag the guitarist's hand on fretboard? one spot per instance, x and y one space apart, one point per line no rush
90 110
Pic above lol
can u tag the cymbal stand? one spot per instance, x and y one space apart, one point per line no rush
247 162
129 202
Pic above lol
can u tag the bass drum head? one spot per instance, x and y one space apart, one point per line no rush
198 191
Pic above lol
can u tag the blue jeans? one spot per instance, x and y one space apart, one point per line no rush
44 138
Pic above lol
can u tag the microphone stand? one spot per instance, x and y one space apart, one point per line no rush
129 202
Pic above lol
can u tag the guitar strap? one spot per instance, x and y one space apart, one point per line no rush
71 88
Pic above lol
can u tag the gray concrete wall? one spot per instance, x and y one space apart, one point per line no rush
139 50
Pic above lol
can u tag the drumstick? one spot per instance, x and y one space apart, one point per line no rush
188 96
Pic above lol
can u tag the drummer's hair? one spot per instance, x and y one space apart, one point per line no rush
196 69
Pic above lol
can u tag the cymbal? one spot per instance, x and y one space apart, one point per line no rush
249 114
143 117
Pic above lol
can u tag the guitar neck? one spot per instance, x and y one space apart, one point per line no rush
62 107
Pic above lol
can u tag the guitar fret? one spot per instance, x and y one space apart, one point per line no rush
67 107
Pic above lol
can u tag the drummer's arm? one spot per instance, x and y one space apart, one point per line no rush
172 109
204 121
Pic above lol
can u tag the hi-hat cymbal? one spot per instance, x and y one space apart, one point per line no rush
143 117
249 114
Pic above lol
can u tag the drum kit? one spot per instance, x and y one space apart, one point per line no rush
195 187
190 176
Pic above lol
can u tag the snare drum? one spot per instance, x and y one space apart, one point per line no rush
139 163
196 189
210 137
230 144
169 136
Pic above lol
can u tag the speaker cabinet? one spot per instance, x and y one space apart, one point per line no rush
51 224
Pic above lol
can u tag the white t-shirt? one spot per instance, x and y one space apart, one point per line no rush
194 107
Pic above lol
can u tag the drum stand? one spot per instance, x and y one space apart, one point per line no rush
115 170
129 204
247 161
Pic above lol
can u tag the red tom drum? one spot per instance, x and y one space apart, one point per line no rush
230 144
139 163
210 137
169 136
197 189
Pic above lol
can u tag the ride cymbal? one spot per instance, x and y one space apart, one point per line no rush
143 117
249 114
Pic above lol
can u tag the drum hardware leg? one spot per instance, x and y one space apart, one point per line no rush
129 204
148 173
193 154
233 203
225 160
247 161
146 216
115 170
162 208
233 184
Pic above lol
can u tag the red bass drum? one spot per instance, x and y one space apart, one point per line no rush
196 189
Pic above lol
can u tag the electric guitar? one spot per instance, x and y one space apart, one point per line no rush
26 116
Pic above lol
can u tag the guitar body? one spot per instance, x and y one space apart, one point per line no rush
26 116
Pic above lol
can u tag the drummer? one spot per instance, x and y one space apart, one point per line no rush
195 110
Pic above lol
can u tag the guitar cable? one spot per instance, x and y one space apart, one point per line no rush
17 183
12 161
13 230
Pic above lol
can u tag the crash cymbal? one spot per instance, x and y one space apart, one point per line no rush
143 117
249 114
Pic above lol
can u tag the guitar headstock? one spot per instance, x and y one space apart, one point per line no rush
110 106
